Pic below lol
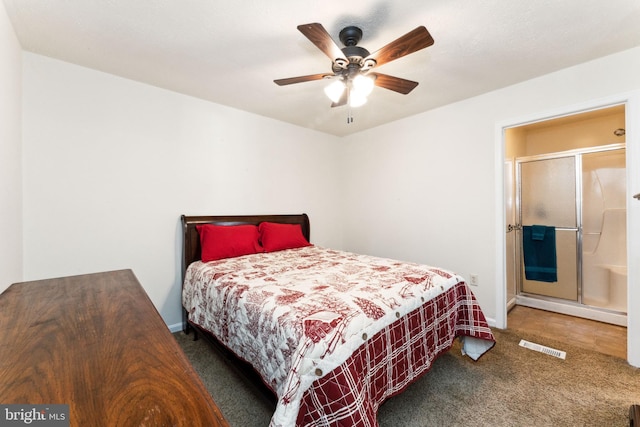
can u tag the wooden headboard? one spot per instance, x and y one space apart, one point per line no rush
191 239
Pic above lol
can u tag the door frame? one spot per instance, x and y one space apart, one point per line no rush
631 100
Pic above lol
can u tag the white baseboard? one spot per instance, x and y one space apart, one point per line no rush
176 327
491 322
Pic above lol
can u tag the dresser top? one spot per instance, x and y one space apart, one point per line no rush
97 343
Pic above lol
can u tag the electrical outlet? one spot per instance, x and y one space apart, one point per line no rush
473 279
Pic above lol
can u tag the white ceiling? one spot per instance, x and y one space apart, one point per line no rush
229 52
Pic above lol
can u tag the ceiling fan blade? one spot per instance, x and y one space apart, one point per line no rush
320 37
409 43
395 84
301 79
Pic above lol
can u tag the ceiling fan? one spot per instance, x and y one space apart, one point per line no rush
351 66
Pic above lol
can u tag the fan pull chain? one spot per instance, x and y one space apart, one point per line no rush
349 115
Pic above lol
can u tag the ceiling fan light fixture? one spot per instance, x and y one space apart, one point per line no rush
363 85
334 90
357 99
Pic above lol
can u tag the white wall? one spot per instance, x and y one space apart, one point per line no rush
422 189
425 188
111 164
10 154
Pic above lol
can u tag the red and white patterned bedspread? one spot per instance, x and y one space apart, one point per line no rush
332 333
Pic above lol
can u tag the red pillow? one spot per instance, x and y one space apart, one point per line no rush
227 241
276 237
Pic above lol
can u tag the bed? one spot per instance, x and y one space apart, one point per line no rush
332 334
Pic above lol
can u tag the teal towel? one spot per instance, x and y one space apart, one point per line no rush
539 247
538 232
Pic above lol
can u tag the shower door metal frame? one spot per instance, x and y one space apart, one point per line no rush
577 155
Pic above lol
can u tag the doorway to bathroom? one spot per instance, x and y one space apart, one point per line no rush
566 233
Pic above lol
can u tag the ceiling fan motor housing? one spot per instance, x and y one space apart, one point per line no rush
350 36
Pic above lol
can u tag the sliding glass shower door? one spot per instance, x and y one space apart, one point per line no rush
604 230
581 195
548 197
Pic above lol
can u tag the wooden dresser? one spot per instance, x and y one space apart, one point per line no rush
97 343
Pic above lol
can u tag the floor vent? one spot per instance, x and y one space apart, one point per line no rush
542 349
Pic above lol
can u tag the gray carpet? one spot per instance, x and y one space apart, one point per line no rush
509 386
